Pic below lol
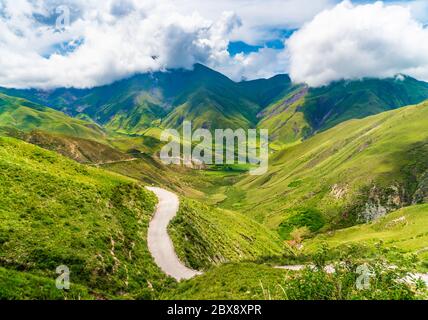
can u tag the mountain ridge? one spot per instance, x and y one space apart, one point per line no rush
291 112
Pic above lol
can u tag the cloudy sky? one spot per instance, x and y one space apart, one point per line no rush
85 43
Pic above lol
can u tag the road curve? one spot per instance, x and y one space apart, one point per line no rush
158 240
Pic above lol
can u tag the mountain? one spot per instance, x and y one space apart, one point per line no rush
354 172
305 111
291 112
203 96
265 91
24 115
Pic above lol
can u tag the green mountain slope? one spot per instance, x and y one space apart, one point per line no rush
405 229
354 172
212 110
201 95
306 111
291 112
24 115
285 119
205 236
266 91
55 212
328 106
78 149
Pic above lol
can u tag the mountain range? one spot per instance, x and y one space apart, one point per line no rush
292 112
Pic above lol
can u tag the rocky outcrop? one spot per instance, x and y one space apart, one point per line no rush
381 201
421 193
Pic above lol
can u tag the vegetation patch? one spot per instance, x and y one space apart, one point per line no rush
54 211
204 236
310 218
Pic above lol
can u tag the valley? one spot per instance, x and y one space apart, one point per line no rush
82 183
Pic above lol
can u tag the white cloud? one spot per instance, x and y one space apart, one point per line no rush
259 18
116 39
112 39
264 63
352 42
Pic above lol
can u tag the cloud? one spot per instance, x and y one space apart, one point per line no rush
107 40
260 19
104 42
356 41
263 63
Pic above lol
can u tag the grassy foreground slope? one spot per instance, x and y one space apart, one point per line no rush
205 236
404 229
24 115
354 172
54 211
248 281
20 285
245 281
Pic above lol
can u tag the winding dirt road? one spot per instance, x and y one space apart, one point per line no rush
159 242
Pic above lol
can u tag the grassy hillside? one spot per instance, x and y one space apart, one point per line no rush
405 229
151 171
55 211
306 111
26 116
214 110
247 281
286 120
78 149
20 285
354 172
203 96
328 106
204 236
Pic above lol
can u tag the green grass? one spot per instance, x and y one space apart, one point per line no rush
78 149
286 120
245 281
26 116
378 161
16 285
204 236
405 229
55 211
310 218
